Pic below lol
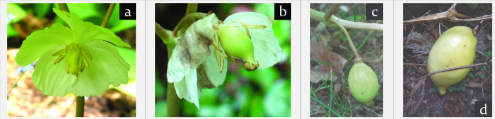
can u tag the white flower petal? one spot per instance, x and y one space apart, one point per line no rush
266 49
188 88
50 78
106 68
192 49
213 70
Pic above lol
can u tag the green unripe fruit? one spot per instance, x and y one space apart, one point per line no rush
363 83
454 48
237 43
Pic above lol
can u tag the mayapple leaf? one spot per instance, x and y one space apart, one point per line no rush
266 49
41 41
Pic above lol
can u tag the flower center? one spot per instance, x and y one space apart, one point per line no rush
75 55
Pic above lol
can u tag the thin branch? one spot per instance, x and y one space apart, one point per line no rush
333 9
445 70
107 16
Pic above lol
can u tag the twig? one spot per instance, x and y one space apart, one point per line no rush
445 70
333 9
415 64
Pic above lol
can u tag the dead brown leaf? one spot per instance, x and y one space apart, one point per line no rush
320 53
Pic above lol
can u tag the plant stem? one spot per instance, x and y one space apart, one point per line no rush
187 21
191 8
107 16
172 98
63 7
319 16
358 58
79 99
80 106
333 9
164 34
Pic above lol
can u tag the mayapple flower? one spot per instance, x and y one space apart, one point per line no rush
81 59
199 59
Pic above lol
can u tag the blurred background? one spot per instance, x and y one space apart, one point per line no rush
24 100
259 93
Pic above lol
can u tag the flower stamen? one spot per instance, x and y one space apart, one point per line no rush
75 55
243 25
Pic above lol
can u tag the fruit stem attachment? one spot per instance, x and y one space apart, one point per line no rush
368 103
358 58
80 106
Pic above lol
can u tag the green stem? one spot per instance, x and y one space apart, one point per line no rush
79 99
80 106
63 7
107 16
191 8
319 16
172 98
187 21
164 34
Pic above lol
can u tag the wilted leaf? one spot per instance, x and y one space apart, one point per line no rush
322 71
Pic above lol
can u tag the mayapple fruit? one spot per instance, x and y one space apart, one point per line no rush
363 83
237 43
454 48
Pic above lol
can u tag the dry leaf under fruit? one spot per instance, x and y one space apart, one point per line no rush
322 71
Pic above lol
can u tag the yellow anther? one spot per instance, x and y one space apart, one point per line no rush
231 59
59 58
60 52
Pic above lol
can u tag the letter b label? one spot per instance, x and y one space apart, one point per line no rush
282 11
